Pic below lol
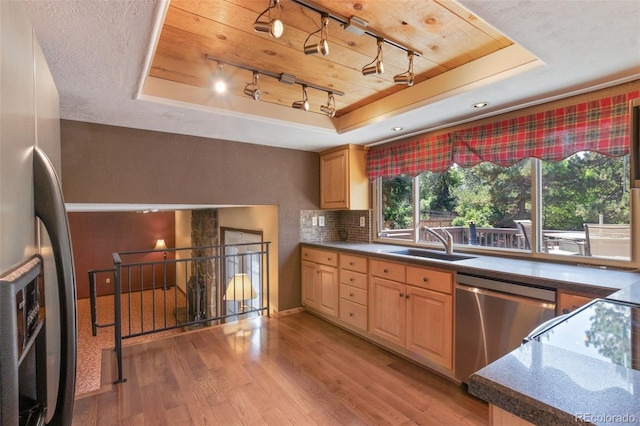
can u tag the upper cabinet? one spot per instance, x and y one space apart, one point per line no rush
343 179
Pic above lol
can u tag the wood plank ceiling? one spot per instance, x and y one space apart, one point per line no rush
446 34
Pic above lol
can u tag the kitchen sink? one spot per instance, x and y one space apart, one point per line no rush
431 254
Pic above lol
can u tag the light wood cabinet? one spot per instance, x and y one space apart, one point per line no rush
320 284
568 302
387 314
354 298
430 325
343 179
413 308
404 307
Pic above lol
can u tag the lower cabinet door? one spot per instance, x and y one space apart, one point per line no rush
387 310
430 325
310 287
329 290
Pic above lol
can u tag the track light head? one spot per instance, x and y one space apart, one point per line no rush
274 26
376 66
330 111
407 76
404 79
304 103
321 47
253 89
256 94
330 108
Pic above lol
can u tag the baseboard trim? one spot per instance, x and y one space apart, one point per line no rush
276 314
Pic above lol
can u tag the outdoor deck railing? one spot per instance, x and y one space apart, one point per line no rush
555 241
486 237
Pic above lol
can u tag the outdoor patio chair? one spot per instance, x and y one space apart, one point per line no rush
524 232
607 240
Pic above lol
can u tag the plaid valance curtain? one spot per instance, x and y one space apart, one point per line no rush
601 126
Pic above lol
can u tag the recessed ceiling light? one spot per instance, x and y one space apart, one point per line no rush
480 104
396 129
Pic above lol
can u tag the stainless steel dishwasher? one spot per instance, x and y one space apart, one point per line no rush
492 318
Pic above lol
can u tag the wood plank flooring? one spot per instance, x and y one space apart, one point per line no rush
291 370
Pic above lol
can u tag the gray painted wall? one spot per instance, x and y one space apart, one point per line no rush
108 164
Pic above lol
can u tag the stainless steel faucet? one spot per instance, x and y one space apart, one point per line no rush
446 240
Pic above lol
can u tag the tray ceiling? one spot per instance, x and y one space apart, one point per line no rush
105 60
196 37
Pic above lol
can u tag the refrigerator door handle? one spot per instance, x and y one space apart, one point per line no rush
49 207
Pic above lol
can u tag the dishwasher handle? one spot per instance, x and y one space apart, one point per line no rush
507 287
507 296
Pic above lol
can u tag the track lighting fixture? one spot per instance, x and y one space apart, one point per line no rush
274 26
323 45
376 66
219 80
253 89
304 103
330 107
407 76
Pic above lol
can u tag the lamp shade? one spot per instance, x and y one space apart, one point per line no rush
160 245
240 288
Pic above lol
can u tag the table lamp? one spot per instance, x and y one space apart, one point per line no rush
240 289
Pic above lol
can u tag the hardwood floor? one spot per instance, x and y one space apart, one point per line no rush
295 369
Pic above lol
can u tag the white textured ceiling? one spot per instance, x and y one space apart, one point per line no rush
97 51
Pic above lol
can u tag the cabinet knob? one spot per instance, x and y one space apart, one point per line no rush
386 271
351 263
401 294
329 258
350 314
425 279
406 296
350 294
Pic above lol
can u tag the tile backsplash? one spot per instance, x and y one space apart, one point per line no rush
339 225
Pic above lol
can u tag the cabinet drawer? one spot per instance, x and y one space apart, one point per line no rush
353 314
388 270
432 280
353 263
320 256
355 279
353 294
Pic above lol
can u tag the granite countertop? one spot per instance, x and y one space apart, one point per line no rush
547 385
538 382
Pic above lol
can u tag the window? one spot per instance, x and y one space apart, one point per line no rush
492 207
586 206
552 182
397 211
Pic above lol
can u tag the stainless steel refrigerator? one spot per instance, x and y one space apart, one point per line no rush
38 329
